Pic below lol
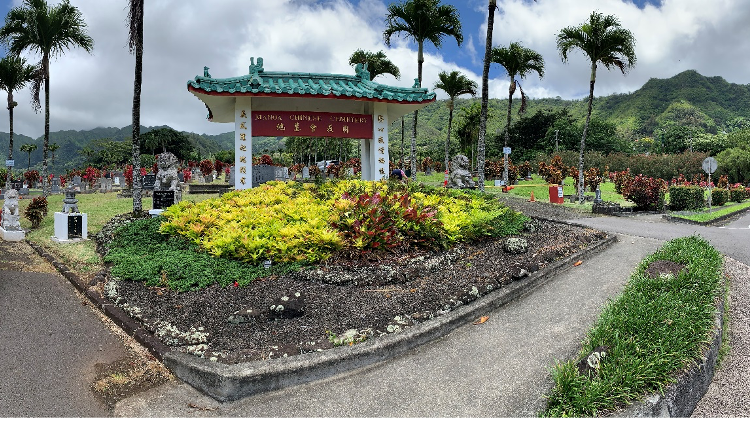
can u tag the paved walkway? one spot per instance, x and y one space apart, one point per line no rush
497 369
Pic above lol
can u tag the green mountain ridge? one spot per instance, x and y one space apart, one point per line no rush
712 101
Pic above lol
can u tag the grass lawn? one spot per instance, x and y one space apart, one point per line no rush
716 212
100 208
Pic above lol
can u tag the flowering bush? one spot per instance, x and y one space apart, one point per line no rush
723 182
620 179
647 193
593 178
90 175
265 159
555 171
206 167
128 176
31 177
36 211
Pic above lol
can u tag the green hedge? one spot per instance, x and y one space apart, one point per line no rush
686 198
737 194
719 196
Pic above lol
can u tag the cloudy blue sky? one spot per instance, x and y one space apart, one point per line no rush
182 36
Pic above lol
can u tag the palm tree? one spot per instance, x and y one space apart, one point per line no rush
454 84
422 20
29 147
14 75
485 92
517 60
53 147
49 31
135 43
377 63
602 40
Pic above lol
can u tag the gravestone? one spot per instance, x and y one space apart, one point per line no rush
17 185
163 199
24 191
181 176
75 226
149 181
305 172
118 181
55 185
231 175
263 173
201 179
77 183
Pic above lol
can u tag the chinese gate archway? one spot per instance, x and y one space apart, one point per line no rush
307 105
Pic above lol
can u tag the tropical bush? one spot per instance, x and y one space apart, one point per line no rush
737 193
206 167
36 211
686 198
647 193
719 196
285 221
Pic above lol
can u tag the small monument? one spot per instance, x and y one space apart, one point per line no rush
460 176
167 188
10 228
70 225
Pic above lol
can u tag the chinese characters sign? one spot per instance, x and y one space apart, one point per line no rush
312 124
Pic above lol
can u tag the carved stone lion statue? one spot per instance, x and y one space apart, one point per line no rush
166 177
460 176
11 216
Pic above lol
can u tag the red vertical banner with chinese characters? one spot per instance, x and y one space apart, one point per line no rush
312 124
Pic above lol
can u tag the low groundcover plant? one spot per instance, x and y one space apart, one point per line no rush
655 330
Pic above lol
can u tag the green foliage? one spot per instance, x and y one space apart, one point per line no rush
166 140
226 157
139 252
36 211
737 194
719 196
686 198
655 330
308 222
106 152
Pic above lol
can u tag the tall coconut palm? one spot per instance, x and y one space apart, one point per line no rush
422 20
517 60
14 75
377 63
602 40
454 84
485 92
53 147
135 43
48 31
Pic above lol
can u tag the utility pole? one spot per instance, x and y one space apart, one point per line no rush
556 141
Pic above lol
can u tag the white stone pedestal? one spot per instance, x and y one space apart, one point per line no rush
61 227
155 212
12 235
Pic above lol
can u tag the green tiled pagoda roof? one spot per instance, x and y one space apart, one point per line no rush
259 83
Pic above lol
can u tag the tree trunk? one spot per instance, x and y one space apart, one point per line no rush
420 61
402 142
45 148
511 90
10 142
448 139
485 94
581 185
137 179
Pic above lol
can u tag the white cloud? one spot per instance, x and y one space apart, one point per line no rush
181 37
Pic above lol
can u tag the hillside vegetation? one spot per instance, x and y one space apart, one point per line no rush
685 112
